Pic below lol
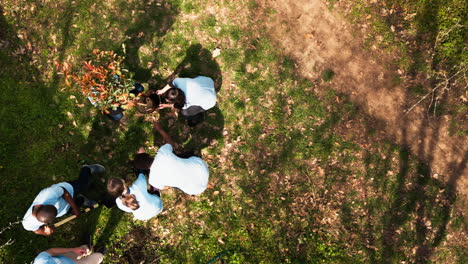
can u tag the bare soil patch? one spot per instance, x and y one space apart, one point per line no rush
320 39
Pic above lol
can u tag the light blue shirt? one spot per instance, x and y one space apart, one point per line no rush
48 196
199 91
150 204
46 258
190 175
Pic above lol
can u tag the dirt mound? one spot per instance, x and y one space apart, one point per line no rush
319 39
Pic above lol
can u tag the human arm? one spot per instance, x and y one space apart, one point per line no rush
163 133
66 195
163 90
60 251
121 206
162 106
45 230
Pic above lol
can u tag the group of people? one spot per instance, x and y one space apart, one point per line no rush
191 97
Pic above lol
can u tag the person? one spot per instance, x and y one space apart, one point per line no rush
135 199
57 200
77 255
168 170
192 97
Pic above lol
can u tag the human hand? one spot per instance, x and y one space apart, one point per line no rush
162 106
79 251
48 230
76 212
160 92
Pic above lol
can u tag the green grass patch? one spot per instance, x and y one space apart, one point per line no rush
286 186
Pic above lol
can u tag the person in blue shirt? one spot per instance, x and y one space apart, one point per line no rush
57 200
77 255
191 96
135 199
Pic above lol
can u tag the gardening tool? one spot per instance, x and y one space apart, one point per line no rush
68 219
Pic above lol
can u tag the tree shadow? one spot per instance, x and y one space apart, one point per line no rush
418 199
154 20
32 151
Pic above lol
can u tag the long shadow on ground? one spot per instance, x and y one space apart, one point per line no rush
154 20
198 61
33 154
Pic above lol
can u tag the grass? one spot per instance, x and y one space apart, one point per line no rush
427 40
287 186
328 75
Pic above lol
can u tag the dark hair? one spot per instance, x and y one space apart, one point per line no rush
46 213
147 104
175 96
142 161
130 201
115 186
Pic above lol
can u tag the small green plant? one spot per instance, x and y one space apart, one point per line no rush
327 75
103 80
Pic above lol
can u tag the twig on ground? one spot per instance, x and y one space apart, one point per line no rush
10 241
433 90
10 225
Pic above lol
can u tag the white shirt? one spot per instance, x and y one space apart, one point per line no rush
150 205
199 91
48 196
190 175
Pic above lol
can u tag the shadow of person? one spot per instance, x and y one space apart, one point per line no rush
198 61
194 139
154 19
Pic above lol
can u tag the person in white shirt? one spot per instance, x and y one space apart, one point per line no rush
56 201
135 199
168 170
191 96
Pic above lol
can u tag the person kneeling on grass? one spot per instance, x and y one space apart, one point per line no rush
77 255
191 96
135 199
56 200
168 170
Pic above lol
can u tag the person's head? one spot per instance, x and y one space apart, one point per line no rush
130 201
115 186
142 161
46 213
175 96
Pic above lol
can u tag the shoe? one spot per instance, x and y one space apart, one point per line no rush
87 203
96 168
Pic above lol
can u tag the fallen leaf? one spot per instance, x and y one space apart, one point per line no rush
216 52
